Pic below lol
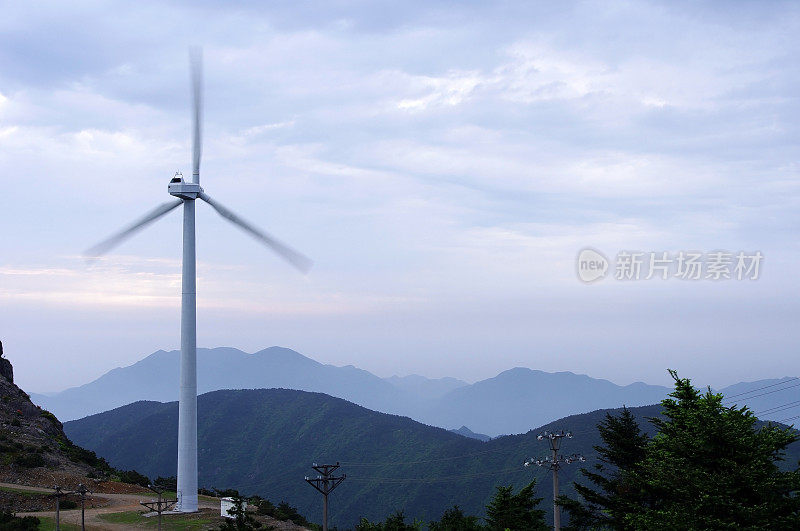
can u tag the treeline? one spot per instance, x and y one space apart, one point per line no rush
707 467
506 510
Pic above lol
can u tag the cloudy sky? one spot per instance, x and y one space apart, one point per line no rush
443 163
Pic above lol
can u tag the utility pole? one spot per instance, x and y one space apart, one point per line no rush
554 463
82 490
325 483
161 505
58 495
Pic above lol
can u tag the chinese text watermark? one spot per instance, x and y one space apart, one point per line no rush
592 265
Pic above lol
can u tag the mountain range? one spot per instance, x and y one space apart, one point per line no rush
514 401
264 442
511 402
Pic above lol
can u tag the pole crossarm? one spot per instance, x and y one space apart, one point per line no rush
325 470
161 505
325 483
554 462
549 462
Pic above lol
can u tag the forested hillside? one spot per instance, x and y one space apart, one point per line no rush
264 442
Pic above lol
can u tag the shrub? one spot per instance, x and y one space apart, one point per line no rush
10 521
66 505
227 493
30 460
284 511
266 508
171 483
134 478
52 418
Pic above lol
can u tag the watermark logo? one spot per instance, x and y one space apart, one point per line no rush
683 265
592 265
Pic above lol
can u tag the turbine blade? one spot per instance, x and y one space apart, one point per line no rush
298 260
196 63
111 242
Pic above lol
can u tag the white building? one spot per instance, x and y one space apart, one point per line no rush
226 504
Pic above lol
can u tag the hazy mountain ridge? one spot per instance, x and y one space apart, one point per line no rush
511 402
518 399
156 378
426 387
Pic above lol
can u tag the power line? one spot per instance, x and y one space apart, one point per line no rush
267 482
765 387
763 394
781 407
434 479
435 460
394 479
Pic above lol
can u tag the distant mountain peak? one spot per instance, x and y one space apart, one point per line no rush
466 432
277 353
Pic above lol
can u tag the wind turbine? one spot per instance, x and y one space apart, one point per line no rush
187 193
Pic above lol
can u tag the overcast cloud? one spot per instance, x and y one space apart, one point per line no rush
442 163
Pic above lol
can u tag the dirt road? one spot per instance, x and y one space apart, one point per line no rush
118 503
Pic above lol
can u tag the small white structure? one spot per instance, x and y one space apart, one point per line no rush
226 504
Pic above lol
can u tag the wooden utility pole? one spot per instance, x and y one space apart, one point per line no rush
161 505
82 490
554 463
325 483
58 495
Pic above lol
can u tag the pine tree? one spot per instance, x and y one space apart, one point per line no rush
394 522
605 506
454 519
709 468
516 512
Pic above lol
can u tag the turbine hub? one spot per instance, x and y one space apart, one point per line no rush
180 188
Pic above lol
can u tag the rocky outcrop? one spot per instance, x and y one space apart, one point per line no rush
6 370
33 446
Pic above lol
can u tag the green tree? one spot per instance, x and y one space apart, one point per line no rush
454 519
710 468
515 511
134 478
284 511
606 505
169 483
241 520
266 507
395 522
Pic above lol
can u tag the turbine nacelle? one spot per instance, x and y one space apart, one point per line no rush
180 188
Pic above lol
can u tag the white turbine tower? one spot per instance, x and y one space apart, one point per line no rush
188 192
